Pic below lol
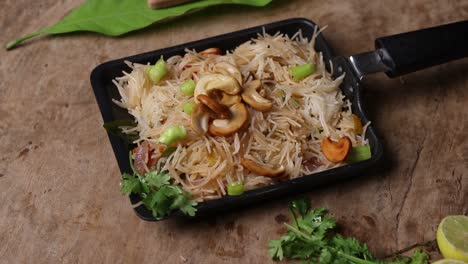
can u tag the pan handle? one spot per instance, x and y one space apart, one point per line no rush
404 53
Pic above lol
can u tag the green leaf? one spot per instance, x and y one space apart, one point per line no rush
317 223
351 246
188 207
129 184
301 205
114 18
419 257
325 256
151 199
157 193
359 153
157 179
313 240
276 250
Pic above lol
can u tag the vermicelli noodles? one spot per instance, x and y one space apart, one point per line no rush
290 134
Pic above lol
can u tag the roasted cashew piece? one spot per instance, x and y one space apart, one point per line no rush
222 111
227 68
254 99
199 119
216 81
336 151
263 169
227 127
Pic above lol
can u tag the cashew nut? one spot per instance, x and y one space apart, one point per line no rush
199 119
216 81
213 51
263 169
230 99
254 99
227 68
222 111
227 127
336 151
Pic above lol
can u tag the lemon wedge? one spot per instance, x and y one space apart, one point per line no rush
452 238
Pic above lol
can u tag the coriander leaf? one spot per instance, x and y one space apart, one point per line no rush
325 256
157 193
276 250
351 246
188 207
304 250
171 191
129 184
418 257
157 179
301 205
317 222
400 260
312 240
327 223
160 204
179 201
150 200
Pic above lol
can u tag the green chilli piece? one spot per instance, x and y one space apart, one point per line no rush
158 71
188 87
301 71
359 153
236 188
188 107
173 134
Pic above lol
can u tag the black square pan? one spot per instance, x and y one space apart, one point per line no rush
104 90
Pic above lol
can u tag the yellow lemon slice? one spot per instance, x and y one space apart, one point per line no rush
452 237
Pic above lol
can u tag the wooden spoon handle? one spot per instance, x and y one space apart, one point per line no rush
156 4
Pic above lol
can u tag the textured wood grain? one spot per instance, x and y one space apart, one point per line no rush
59 192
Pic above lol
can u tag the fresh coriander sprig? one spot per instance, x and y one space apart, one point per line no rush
157 193
312 239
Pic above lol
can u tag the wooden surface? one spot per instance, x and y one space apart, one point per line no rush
59 181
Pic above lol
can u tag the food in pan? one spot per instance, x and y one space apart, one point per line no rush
214 124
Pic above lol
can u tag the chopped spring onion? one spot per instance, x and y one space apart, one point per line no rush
173 134
359 153
188 108
302 71
188 87
235 188
158 71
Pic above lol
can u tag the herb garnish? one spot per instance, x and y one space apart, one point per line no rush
312 240
157 193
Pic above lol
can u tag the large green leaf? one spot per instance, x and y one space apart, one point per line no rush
117 17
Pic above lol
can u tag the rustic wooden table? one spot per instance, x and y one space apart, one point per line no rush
59 181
